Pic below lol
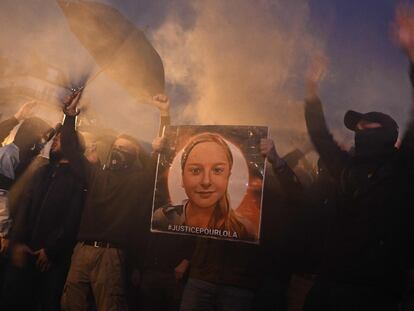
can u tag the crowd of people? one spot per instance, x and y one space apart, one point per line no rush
75 229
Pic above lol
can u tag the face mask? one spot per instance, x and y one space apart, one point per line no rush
119 159
375 141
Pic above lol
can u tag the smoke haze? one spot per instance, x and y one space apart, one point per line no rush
226 62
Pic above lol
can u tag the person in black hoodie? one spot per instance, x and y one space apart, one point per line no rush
369 247
45 228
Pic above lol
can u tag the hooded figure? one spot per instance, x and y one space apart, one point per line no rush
368 246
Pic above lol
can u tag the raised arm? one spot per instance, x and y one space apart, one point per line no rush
162 102
287 178
71 146
323 141
6 126
23 113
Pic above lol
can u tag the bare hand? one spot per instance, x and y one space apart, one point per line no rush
162 102
403 29
181 269
316 73
71 103
268 150
4 245
42 262
25 111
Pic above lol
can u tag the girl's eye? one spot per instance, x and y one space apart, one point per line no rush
195 170
218 170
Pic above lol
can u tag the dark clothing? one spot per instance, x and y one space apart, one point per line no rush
5 182
244 265
225 263
159 288
115 207
369 242
50 213
200 295
115 213
29 289
47 218
116 203
160 291
166 251
282 204
344 297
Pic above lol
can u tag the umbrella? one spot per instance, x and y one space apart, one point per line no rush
118 47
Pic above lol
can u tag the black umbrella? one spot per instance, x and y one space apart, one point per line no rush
118 47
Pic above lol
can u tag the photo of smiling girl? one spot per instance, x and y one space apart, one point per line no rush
206 165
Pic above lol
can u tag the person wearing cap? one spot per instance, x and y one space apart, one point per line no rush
369 246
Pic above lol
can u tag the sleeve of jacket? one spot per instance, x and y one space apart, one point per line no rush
292 158
289 183
20 228
6 126
331 154
73 151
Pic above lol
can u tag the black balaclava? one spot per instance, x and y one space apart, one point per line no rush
374 141
119 159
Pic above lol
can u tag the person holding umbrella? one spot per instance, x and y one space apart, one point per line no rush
113 223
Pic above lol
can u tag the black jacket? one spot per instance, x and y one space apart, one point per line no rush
117 202
370 241
48 215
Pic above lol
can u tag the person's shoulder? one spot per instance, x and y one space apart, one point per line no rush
170 210
9 151
169 214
